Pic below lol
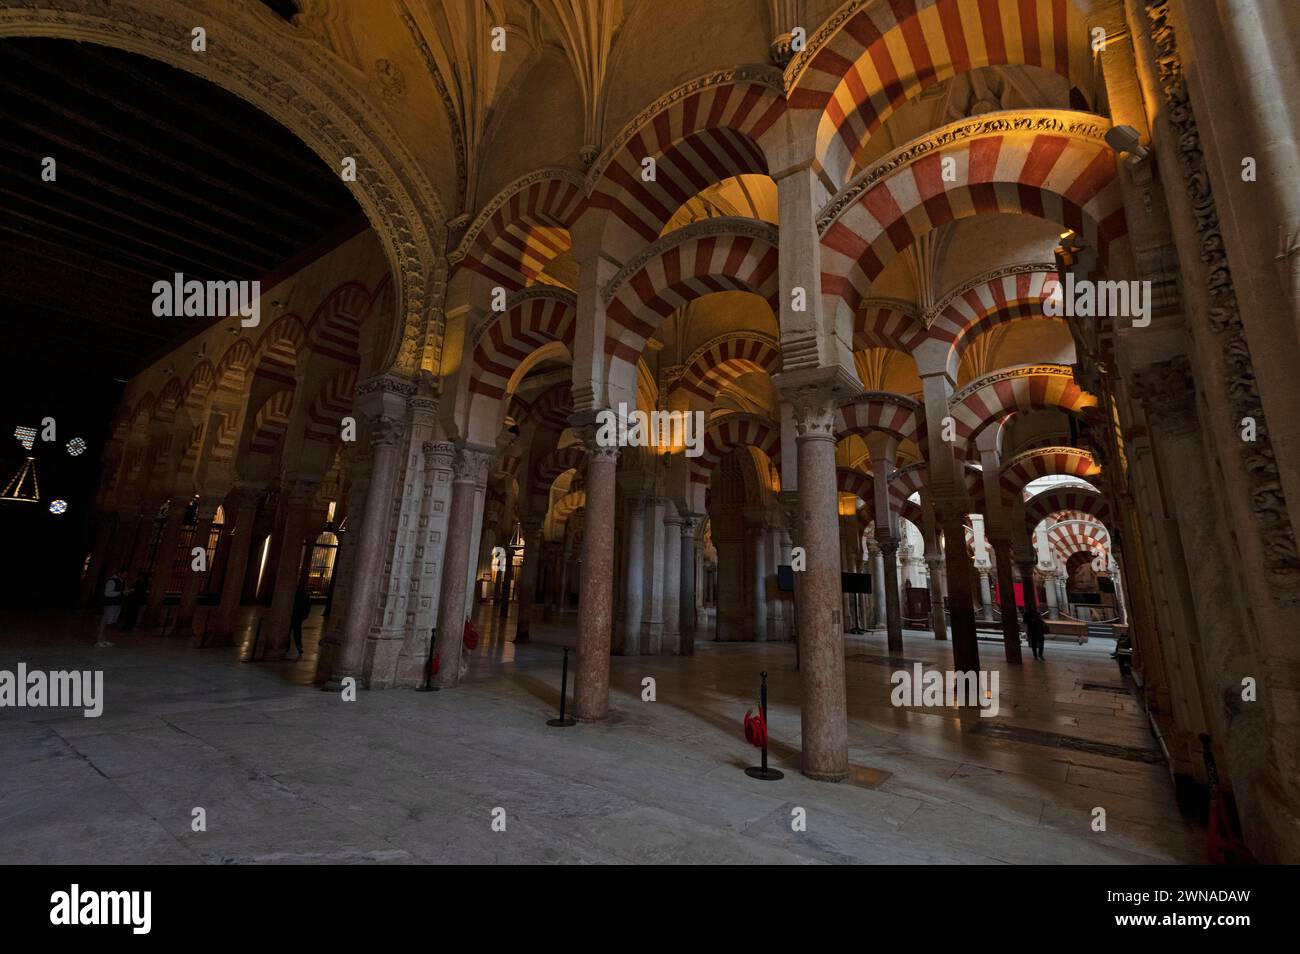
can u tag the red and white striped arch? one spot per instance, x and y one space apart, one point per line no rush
1023 469
1051 164
913 478
708 132
275 358
193 448
523 229
227 436
270 422
730 431
198 386
1067 539
727 358
168 400
1074 500
714 255
335 327
984 305
234 364
551 409
887 323
554 463
1033 387
875 55
532 319
330 404
899 417
862 486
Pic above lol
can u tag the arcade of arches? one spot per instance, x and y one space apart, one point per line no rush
836 245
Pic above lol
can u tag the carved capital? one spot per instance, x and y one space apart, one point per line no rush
438 454
1167 393
470 464
386 431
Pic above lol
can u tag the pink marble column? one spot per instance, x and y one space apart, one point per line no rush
370 537
469 469
298 498
529 575
241 504
814 396
595 601
154 611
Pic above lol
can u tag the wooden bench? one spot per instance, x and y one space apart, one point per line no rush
1066 629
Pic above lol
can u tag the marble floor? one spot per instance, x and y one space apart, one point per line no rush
287 773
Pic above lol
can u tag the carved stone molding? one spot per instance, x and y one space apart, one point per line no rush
386 431
301 85
470 464
1005 271
504 196
532 293
438 454
1011 374
723 225
1268 500
1167 394
1062 121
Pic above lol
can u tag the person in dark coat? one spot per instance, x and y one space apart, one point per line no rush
301 610
1035 632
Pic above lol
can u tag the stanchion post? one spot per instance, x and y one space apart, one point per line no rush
563 722
762 772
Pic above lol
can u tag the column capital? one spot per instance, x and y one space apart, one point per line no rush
386 431
689 522
438 454
814 395
299 491
470 463
1167 394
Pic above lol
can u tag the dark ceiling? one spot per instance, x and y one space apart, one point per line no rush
158 172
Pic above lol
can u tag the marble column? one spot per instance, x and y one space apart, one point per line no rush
814 396
757 564
672 576
154 610
369 536
595 618
951 515
530 574
652 618
1007 599
934 574
193 578
893 596
469 469
507 579
297 497
242 505
686 642
877 562
986 595
1027 586
1052 597
629 642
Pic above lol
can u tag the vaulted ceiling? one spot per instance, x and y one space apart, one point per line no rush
156 172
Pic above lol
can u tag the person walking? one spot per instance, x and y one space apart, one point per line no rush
1035 632
114 593
301 610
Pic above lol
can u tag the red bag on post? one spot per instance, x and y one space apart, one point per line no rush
470 636
755 729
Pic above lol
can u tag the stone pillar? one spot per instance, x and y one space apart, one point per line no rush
652 619
369 536
591 679
1007 599
686 642
756 562
154 611
951 515
97 573
507 579
986 595
892 593
814 395
530 573
242 504
672 576
297 497
629 642
1026 567
469 469
194 579
934 574
1052 597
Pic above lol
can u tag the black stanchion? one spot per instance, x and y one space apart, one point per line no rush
252 656
762 771
563 722
428 665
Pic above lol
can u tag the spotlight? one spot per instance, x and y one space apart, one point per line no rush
1125 139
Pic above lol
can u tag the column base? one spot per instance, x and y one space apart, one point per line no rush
825 776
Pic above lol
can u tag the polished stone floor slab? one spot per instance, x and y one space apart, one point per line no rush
288 773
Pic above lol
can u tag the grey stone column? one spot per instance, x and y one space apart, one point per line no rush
154 611
242 504
469 469
288 568
1007 599
986 595
530 573
652 619
194 579
672 576
595 604
629 642
686 642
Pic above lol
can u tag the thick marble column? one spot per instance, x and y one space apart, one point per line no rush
893 595
629 641
951 515
1026 567
194 579
298 496
469 469
686 642
1007 599
757 563
986 595
241 504
672 576
530 574
595 602
814 396
934 576
507 579
154 610
652 618
370 539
